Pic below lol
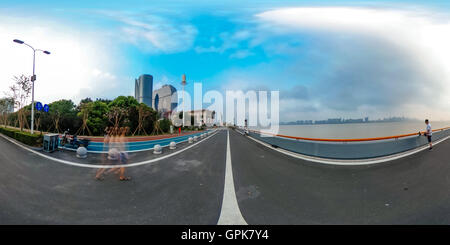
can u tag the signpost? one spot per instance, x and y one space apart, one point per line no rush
39 106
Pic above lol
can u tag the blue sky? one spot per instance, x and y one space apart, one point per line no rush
327 58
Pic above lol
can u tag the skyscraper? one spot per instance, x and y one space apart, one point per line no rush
143 89
165 99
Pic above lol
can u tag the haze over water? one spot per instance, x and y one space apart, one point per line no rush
357 130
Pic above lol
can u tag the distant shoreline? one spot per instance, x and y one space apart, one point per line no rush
347 121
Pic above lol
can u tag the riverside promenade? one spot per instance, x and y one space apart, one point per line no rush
224 178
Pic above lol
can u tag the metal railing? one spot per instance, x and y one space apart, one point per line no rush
349 148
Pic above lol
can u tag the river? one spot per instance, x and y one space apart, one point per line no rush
357 130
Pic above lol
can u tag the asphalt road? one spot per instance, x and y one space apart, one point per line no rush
273 188
184 189
188 188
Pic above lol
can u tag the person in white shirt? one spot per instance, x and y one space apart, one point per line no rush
429 133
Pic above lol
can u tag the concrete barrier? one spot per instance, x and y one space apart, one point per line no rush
351 148
81 152
157 149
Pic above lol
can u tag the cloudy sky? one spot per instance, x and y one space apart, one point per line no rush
327 58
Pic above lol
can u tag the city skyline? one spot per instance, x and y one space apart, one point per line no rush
342 120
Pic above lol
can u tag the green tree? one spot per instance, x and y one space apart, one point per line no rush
63 115
144 112
6 107
122 112
97 120
165 125
125 102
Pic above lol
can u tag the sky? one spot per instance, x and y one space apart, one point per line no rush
328 59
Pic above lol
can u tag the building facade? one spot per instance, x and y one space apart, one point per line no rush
143 89
6 105
194 117
165 100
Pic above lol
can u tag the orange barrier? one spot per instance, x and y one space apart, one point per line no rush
347 140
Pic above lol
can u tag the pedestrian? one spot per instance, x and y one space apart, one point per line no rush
429 133
106 141
123 155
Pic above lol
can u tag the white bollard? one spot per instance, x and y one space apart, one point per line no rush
190 140
172 145
81 152
157 149
195 138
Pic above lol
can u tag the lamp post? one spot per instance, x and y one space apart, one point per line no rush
33 78
183 83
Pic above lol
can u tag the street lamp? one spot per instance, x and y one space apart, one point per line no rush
33 78
183 83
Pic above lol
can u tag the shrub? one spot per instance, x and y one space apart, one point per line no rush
165 125
24 137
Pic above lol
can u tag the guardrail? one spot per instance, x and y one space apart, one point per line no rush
135 146
349 148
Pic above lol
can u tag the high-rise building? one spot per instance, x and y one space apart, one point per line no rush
165 99
143 89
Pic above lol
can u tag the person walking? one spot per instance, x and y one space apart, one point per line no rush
429 133
123 155
106 141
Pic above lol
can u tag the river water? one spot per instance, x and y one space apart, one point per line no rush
357 130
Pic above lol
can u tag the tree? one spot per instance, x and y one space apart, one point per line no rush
37 120
97 120
85 108
120 111
6 107
63 114
124 102
19 93
144 112
165 125
157 127
116 115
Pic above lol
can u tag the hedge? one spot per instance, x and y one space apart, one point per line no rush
24 137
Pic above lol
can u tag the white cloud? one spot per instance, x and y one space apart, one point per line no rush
79 64
404 61
240 54
155 34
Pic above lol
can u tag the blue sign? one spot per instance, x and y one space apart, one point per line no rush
38 106
46 108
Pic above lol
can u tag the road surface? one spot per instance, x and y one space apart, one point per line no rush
188 188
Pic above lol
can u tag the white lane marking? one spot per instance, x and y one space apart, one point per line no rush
230 213
105 166
348 162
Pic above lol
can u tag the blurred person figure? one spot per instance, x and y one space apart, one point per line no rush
106 146
119 152
123 155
